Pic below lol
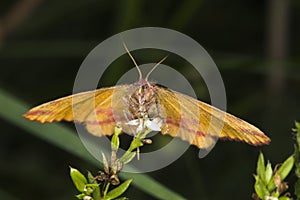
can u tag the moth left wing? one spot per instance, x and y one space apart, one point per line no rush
93 108
202 124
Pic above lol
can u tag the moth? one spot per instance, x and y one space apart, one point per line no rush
147 104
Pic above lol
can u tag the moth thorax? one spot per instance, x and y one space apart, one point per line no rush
141 101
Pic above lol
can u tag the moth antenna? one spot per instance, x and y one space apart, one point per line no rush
136 65
155 66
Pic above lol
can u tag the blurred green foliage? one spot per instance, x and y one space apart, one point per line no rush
269 183
42 48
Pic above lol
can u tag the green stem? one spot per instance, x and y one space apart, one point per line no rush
106 186
136 143
147 131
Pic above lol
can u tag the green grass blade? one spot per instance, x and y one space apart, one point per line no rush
6 196
12 110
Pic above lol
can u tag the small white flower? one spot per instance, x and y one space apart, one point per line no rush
133 122
154 125
136 122
87 198
270 198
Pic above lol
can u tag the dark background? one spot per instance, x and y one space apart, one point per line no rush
254 43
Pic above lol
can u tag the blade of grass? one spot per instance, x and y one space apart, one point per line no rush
6 196
12 110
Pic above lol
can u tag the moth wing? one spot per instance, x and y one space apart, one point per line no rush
202 124
94 108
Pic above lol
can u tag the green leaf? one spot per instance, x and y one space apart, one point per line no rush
78 179
284 198
268 173
80 196
96 193
115 142
260 169
297 189
118 191
91 178
297 161
276 194
297 124
286 167
117 130
297 130
92 185
260 188
283 171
